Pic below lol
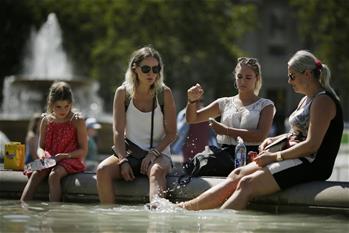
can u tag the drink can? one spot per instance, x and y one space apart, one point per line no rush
252 155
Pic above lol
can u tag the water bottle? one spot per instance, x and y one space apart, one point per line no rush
240 153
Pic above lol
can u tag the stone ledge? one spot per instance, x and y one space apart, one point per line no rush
81 187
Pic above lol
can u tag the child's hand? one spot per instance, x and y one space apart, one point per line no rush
60 156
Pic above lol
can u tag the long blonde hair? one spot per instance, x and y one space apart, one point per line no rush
305 60
131 79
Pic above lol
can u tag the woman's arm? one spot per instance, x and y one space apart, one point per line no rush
170 124
319 122
119 121
195 115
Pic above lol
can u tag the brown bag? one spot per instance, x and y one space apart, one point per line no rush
278 145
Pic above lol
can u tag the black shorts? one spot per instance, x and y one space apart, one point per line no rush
291 172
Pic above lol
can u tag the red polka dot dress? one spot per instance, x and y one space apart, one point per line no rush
62 138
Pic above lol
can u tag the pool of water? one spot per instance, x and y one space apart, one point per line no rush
71 217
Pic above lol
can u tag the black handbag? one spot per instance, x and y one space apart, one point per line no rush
213 161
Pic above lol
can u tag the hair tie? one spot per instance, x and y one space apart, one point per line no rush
318 64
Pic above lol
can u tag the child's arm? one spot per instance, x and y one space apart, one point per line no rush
81 152
42 135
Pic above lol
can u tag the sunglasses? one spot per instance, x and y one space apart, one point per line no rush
146 69
291 76
247 60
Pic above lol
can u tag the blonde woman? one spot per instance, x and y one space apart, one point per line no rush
136 104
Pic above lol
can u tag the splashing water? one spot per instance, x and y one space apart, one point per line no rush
162 205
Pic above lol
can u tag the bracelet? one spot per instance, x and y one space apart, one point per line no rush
155 152
279 156
124 160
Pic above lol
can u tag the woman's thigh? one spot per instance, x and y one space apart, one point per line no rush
261 182
110 166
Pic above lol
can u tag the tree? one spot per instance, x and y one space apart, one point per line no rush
197 38
324 25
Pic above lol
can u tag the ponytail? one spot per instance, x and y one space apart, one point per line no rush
304 60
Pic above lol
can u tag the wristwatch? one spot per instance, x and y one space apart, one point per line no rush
279 156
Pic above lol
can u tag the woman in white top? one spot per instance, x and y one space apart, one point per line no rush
246 114
132 116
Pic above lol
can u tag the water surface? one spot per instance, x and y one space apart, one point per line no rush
48 217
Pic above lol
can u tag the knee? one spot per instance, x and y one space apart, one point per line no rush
245 184
235 174
157 171
53 177
100 170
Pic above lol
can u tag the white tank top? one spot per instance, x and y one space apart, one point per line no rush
138 127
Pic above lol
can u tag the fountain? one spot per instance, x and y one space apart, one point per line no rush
46 62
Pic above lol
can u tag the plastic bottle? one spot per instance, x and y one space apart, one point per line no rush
240 153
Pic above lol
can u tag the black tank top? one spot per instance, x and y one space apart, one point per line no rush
327 153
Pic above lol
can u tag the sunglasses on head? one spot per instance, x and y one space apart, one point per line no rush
146 69
247 60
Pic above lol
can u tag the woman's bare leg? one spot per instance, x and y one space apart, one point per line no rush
107 170
157 173
54 181
256 184
217 195
34 181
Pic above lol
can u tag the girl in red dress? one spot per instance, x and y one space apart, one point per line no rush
63 136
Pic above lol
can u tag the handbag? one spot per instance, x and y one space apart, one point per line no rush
213 161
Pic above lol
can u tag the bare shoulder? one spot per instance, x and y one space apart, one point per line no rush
322 102
167 91
120 91
78 119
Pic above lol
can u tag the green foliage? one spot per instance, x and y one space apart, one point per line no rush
324 25
196 38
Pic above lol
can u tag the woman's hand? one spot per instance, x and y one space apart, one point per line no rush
264 144
218 127
126 171
146 162
264 158
195 93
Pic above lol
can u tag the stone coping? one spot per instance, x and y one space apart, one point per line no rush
319 196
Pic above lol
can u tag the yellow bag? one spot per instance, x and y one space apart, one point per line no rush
14 156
